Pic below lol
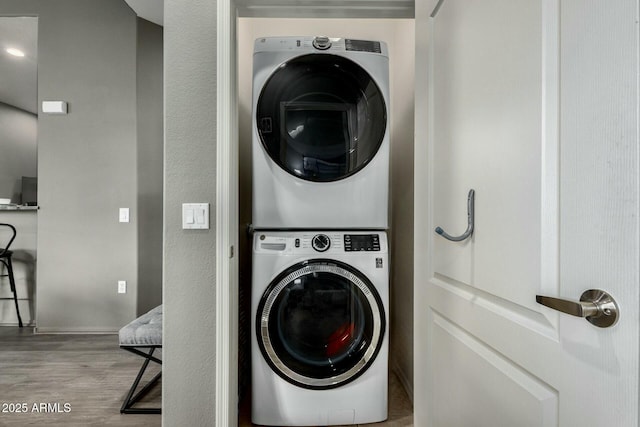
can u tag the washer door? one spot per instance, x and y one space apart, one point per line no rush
320 324
321 117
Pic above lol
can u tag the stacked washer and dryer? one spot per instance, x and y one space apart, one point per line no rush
320 281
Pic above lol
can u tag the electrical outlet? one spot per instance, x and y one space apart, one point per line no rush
122 286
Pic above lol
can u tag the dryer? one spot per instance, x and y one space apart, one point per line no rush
319 327
320 147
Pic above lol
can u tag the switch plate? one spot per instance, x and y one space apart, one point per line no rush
195 216
122 286
124 215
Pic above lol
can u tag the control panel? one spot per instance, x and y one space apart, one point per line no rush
320 242
319 43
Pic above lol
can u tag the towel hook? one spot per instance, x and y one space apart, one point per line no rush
470 219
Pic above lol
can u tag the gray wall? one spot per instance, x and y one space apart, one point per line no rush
150 140
87 163
18 149
189 291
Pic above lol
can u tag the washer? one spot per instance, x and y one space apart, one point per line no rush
320 133
319 328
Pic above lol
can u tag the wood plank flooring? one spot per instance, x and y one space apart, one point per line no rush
83 379
86 375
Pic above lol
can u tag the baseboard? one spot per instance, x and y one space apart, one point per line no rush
26 324
79 331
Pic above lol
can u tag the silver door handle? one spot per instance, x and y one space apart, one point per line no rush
597 306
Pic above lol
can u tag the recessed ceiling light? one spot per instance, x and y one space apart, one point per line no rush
15 52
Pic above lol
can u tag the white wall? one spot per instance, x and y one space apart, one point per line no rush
398 34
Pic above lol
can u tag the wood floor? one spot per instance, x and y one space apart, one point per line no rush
81 381
86 375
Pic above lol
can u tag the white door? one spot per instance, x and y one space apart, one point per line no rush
534 105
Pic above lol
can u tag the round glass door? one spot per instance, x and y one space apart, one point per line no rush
320 324
321 117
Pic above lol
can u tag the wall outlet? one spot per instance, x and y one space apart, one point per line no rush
122 286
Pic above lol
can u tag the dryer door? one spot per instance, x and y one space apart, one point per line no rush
320 324
321 117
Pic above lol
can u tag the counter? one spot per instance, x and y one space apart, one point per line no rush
18 208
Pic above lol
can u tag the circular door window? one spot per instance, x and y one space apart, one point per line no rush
321 117
320 324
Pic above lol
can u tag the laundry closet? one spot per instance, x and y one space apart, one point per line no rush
398 36
535 110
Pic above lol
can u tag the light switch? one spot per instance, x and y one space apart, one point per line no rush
195 215
200 212
189 213
124 215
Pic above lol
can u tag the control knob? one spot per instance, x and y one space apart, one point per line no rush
320 242
321 43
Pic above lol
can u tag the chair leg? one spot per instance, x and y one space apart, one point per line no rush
12 283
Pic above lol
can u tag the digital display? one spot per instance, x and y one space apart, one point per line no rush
362 46
361 242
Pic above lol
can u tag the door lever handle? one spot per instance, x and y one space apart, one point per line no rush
597 306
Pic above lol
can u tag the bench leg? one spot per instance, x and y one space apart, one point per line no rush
131 399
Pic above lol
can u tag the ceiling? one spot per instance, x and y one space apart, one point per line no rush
19 75
151 10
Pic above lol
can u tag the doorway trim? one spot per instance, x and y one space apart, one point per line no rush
226 389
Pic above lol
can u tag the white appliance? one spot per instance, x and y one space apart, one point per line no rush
319 306
320 133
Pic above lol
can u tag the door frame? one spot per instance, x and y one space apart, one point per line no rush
227 211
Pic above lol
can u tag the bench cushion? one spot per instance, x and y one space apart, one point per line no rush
146 330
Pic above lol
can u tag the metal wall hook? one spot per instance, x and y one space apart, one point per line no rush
470 221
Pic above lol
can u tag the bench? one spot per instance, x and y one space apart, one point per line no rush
142 337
